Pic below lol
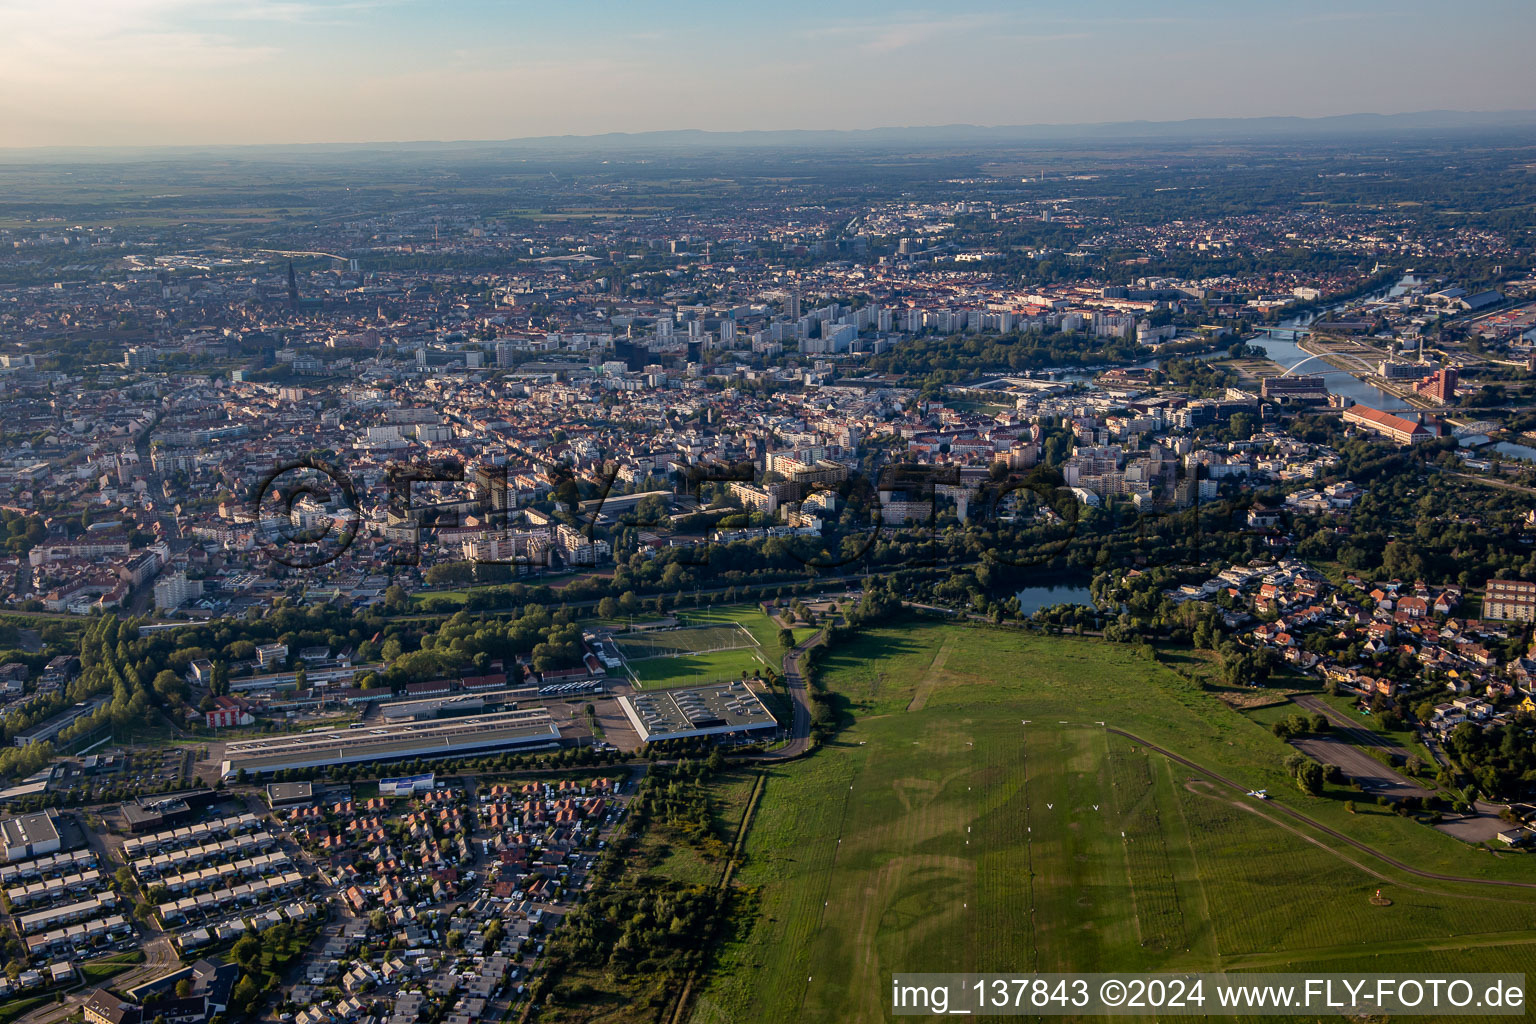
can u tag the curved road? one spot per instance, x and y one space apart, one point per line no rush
1334 833
794 686
159 959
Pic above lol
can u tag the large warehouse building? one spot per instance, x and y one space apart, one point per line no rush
717 710
30 835
443 737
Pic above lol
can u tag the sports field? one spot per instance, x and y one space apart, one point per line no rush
663 643
690 655
941 833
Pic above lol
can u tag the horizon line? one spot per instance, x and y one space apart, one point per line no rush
1233 121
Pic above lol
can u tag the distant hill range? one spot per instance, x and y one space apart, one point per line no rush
1234 129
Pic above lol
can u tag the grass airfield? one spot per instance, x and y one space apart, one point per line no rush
939 832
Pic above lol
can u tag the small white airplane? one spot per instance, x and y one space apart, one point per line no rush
1262 794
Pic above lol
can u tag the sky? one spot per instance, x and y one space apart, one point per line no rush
203 72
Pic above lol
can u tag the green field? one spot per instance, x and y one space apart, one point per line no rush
937 832
750 618
95 972
664 643
710 647
19 1006
695 669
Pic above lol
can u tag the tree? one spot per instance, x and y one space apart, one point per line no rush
786 638
218 682
170 686
1309 778
607 608
247 993
568 494
183 988
247 952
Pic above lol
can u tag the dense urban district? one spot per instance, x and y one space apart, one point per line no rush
668 581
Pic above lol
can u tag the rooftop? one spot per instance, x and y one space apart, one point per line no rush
412 739
698 711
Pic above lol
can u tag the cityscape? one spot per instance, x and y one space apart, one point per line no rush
645 574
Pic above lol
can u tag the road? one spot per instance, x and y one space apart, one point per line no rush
1341 746
160 959
1490 482
1483 825
1319 826
1354 730
794 686
1375 778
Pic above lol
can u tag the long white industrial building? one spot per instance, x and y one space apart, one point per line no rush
443 737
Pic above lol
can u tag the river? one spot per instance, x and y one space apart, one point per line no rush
1287 354
1341 382
1515 451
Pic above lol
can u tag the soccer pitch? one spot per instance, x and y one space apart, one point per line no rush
667 643
941 832
690 655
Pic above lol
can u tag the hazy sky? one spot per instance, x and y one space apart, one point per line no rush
145 72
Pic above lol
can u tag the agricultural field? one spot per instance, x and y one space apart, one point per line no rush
940 832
